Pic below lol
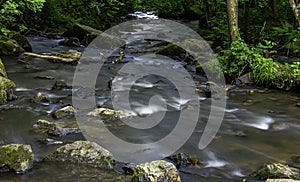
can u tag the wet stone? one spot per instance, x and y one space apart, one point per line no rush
156 171
61 85
65 112
277 171
16 157
183 160
41 98
84 152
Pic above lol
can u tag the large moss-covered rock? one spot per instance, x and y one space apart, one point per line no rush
9 47
84 152
16 157
6 90
156 171
277 171
21 40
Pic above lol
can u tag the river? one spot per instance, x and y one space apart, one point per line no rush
259 126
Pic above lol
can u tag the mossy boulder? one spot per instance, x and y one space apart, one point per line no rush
84 152
65 112
107 114
16 157
9 47
21 40
6 90
156 171
277 171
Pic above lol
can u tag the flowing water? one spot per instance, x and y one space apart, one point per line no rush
258 127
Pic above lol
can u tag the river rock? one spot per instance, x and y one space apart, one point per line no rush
72 41
21 40
277 171
65 112
172 50
84 152
282 180
156 171
9 47
41 98
16 157
59 131
247 79
107 114
61 85
6 86
183 160
44 124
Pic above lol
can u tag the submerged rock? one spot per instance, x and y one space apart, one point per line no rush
41 98
9 47
182 159
16 157
72 41
277 171
65 112
156 171
84 152
60 85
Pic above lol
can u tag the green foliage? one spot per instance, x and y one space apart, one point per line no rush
240 59
12 10
288 37
100 14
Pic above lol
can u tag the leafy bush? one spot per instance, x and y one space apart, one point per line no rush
12 10
239 59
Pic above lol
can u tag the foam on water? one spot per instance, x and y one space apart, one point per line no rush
262 123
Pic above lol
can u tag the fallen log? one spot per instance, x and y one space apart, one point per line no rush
70 57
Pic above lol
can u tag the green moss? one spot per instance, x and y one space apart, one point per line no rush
6 89
2 70
16 157
278 171
21 40
9 46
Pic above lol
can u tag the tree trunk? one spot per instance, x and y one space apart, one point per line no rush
232 12
295 10
274 8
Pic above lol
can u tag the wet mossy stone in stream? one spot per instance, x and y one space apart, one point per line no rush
183 160
61 85
21 40
172 50
107 114
277 171
156 171
9 47
6 90
41 98
16 157
65 112
282 180
84 152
